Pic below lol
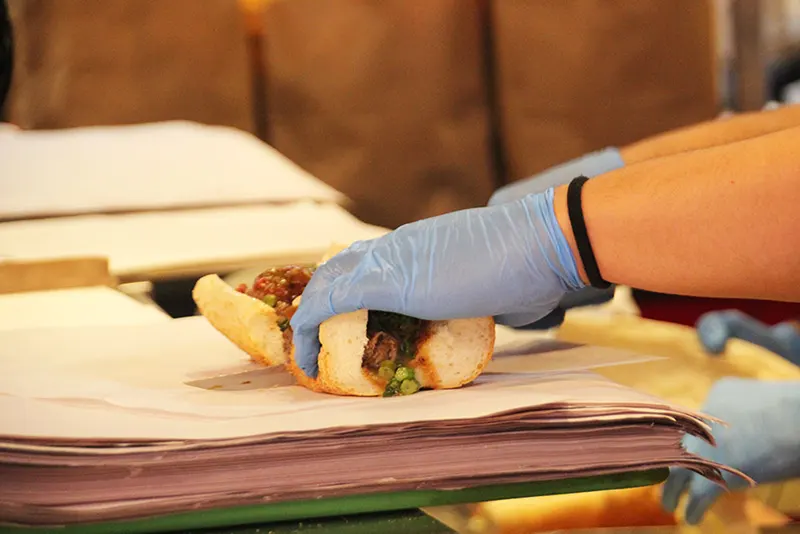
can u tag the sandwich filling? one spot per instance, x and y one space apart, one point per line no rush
278 288
393 339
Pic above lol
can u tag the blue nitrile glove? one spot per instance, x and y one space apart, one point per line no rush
762 441
589 165
510 261
715 329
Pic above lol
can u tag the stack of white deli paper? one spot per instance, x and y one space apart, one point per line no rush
164 200
129 168
130 421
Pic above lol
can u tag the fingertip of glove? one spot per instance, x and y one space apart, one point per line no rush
702 495
306 351
310 372
673 488
697 507
713 333
669 501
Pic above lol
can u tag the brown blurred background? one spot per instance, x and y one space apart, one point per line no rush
410 108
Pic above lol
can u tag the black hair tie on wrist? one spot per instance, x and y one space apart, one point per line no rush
575 210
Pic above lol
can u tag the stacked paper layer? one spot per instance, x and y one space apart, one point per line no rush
165 200
142 167
123 422
150 245
98 305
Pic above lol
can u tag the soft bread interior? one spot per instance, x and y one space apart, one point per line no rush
343 339
455 353
248 323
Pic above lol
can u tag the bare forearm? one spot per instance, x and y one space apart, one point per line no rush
712 133
720 222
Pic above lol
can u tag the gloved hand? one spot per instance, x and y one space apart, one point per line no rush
510 261
762 440
715 329
589 165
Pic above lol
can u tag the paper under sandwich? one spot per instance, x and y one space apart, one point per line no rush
108 423
364 353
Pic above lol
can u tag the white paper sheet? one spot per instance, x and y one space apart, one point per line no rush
514 348
137 375
142 246
100 306
138 167
294 409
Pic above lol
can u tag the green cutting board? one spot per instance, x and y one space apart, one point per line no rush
400 522
283 517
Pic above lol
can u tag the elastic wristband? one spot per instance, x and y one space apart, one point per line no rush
575 210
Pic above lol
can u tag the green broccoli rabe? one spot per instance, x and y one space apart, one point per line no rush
400 378
403 382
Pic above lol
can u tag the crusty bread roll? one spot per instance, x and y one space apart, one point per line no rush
249 323
451 353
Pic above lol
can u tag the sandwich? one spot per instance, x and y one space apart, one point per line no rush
363 353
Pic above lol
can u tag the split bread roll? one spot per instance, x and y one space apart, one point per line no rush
446 354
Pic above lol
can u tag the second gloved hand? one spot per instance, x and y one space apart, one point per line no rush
509 261
715 329
589 165
762 441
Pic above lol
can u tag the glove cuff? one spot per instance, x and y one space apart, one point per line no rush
562 261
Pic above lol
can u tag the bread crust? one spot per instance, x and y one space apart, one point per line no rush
427 364
245 321
340 373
